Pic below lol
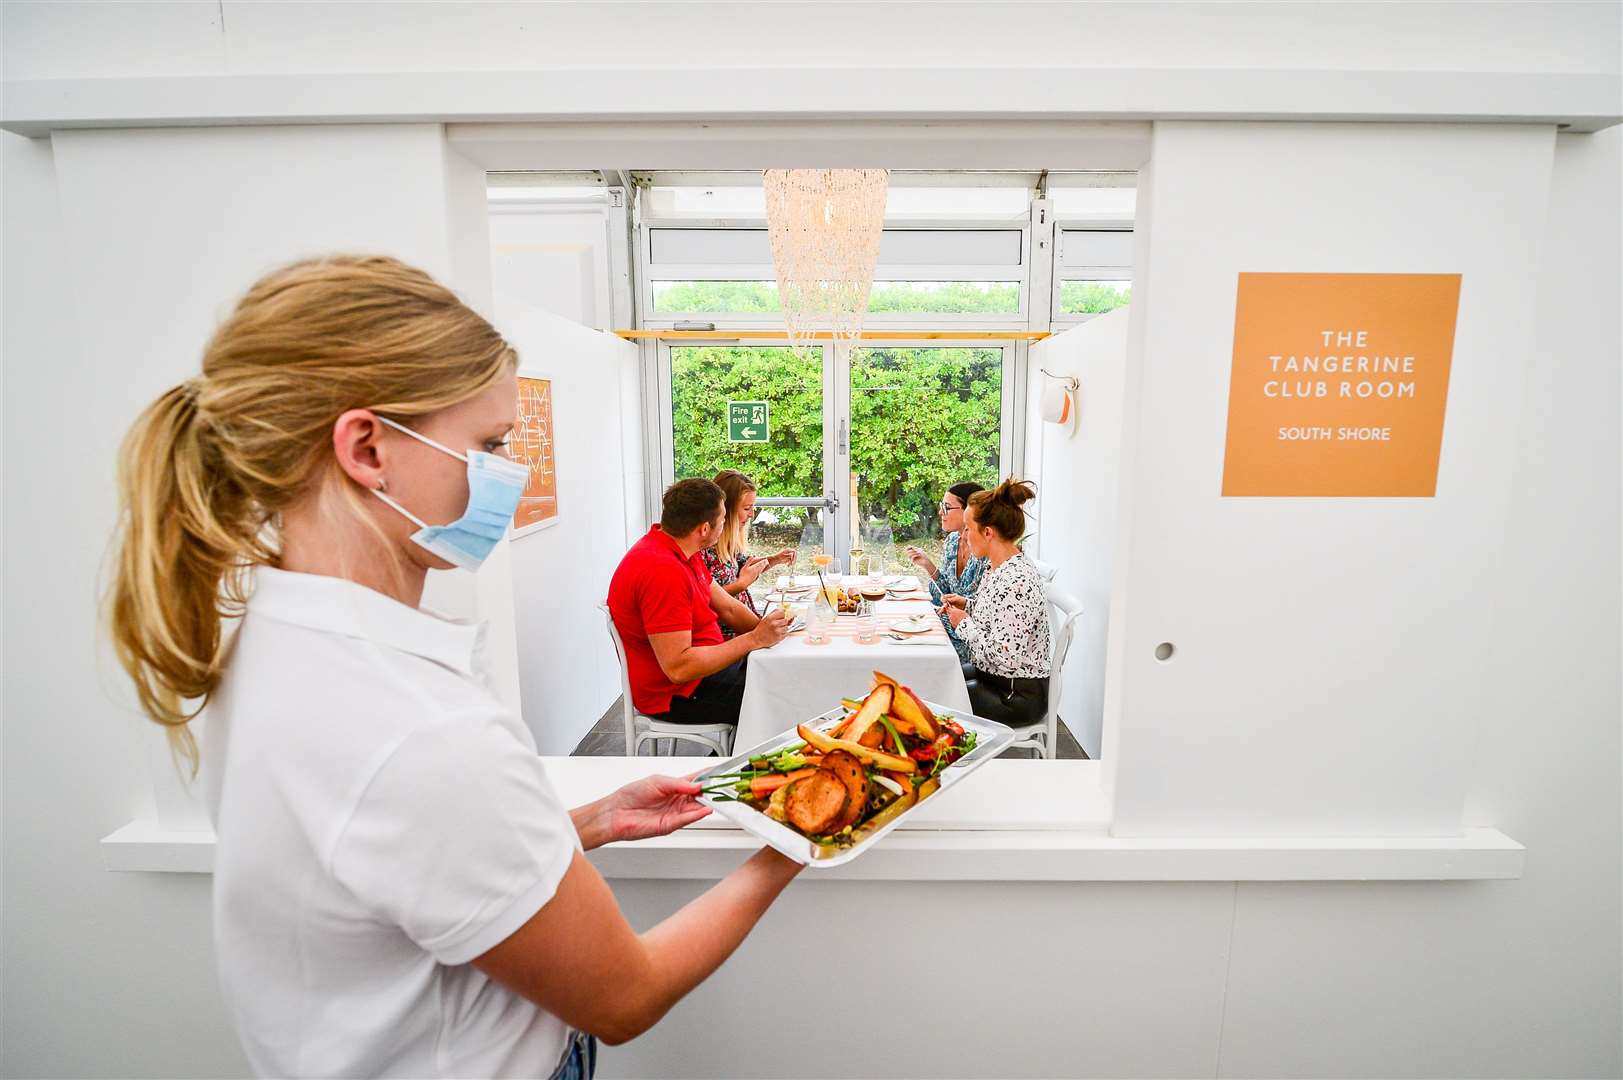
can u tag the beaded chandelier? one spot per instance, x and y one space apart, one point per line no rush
824 226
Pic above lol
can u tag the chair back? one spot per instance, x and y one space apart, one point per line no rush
1065 610
627 709
1045 570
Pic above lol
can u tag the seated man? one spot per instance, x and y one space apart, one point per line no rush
668 612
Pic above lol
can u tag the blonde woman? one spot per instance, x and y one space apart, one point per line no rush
397 889
729 565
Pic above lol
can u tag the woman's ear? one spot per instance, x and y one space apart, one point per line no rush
357 443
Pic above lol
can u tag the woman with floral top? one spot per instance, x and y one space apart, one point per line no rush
729 566
1005 625
960 571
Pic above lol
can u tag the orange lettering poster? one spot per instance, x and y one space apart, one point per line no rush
532 444
1339 384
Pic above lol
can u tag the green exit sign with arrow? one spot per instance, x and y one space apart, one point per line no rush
746 421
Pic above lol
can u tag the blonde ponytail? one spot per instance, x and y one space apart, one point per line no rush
207 470
188 532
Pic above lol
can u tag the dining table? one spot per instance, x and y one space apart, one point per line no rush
797 680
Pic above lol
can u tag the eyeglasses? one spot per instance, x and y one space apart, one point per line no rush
947 507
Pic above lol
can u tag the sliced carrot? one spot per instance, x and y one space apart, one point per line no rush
766 785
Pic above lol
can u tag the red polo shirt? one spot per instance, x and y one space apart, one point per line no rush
658 590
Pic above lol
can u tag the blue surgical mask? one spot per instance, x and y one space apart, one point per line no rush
494 486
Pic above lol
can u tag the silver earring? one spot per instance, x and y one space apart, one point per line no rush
383 486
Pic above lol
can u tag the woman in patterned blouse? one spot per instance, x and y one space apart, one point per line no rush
960 572
731 568
1005 624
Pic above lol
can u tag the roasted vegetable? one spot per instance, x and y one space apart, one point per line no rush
874 706
864 754
908 706
849 771
817 804
776 807
766 785
884 817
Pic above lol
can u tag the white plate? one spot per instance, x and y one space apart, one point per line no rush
918 624
991 739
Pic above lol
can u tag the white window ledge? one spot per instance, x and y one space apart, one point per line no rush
1012 821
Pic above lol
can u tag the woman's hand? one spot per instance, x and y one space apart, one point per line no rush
785 557
918 558
955 615
752 570
652 806
953 600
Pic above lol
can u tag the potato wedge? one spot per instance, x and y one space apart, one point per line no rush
828 744
874 706
910 708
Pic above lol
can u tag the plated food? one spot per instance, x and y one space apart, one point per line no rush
844 782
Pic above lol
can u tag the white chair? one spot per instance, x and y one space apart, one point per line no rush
1044 570
641 728
1064 610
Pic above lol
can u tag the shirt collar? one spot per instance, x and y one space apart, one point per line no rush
337 606
675 548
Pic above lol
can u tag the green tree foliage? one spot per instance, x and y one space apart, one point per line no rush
922 419
896 297
1093 297
705 378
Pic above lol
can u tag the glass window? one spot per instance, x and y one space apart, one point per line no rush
1094 203
922 419
886 297
719 297
749 201
704 378
779 527
1093 297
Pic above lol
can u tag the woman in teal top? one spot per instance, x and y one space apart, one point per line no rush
960 573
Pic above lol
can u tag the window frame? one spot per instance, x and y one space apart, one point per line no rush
649 272
1059 319
837 408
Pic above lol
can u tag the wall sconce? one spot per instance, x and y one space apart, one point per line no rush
1056 405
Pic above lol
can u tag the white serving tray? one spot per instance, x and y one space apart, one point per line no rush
991 739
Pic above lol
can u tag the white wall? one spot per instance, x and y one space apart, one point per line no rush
1078 488
82 40
567 671
1310 629
555 258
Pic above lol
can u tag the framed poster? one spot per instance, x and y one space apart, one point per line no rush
532 444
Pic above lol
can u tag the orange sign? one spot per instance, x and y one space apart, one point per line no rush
1339 383
531 443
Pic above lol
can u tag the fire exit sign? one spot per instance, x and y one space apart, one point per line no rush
746 421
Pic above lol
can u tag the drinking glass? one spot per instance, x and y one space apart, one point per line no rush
819 619
866 624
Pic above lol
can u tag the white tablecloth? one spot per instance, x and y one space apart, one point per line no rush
794 681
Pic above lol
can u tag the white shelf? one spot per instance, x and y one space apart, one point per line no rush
1012 821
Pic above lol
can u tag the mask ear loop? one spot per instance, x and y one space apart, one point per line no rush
409 516
420 437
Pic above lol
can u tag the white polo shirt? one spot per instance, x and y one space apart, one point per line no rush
381 820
